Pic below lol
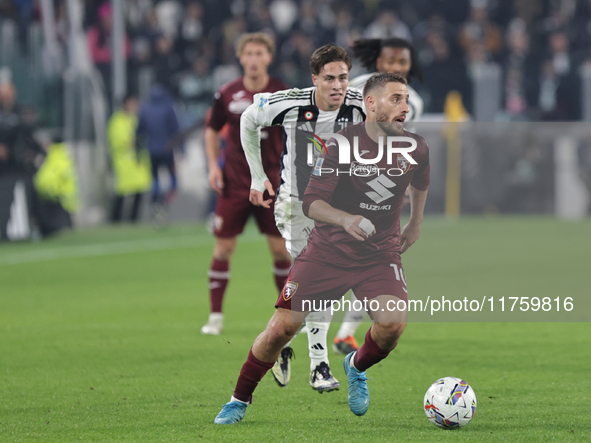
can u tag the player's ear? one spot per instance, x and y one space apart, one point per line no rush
370 103
314 80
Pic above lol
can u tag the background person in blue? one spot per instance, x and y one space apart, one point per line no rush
157 125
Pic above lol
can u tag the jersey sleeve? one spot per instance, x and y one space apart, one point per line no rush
267 109
217 117
421 176
252 120
354 98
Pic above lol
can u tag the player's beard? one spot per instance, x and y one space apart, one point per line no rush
389 127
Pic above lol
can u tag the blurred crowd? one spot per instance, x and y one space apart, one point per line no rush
190 44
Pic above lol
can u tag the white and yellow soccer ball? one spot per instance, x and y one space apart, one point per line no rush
450 403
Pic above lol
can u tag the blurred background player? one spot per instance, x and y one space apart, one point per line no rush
393 55
159 124
131 169
232 183
396 56
326 107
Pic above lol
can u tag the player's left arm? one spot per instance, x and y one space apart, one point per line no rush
418 195
412 231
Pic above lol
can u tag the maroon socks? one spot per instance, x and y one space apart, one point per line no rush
280 272
369 354
252 372
218 280
219 275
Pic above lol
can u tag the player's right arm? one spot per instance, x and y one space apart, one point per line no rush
267 109
356 225
212 150
321 186
214 122
251 121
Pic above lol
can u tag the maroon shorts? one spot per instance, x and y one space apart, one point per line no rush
232 213
312 279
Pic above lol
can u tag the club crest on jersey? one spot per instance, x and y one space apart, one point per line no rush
289 290
403 164
308 115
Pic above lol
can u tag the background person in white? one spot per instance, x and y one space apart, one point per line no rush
393 55
327 107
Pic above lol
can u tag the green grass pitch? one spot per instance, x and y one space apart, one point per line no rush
100 341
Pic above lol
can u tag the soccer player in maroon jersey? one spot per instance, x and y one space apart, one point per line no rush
326 107
232 182
356 242
397 56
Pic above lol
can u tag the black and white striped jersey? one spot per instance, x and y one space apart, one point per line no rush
296 111
415 102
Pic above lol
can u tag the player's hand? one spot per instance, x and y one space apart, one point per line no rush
351 225
410 234
257 199
216 179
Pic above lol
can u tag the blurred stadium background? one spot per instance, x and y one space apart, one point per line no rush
513 63
99 332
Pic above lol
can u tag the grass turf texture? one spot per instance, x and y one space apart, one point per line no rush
103 343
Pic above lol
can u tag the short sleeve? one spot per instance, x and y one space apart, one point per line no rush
217 116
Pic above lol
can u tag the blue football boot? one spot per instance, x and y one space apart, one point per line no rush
358 393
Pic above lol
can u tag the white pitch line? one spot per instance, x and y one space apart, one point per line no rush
113 248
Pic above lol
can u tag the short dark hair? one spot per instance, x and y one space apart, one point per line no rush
368 50
328 54
380 79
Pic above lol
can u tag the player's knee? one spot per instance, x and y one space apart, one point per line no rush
392 330
223 250
279 334
278 250
281 255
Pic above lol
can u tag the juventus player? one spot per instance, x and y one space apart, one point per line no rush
356 244
396 56
327 107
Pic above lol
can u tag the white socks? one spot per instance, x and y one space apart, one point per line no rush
351 364
317 325
351 321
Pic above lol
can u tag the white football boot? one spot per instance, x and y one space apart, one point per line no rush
322 380
214 324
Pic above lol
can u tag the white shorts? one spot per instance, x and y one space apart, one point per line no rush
293 225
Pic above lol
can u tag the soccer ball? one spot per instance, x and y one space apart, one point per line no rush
450 403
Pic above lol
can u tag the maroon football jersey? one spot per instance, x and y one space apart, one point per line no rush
367 190
229 104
